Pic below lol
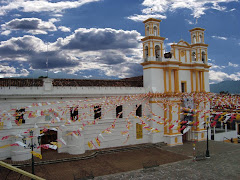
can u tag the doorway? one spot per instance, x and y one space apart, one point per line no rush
48 137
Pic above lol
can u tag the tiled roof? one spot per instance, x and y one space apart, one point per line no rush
20 82
128 82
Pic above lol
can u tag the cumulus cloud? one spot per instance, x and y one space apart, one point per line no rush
218 76
64 29
34 51
198 7
8 71
220 37
6 33
137 17
41 5
233 65
31 25
100 39
112 52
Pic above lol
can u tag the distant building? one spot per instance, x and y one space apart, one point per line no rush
87 114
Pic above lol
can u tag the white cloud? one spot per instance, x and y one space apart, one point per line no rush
31 25
64 29
218 76
7 69
198 7
41 5
6 33
232 10
53 20
232 65
214 66
220 37
112 52
137 17
189 22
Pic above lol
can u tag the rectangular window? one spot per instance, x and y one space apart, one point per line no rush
48 117
97 112
184 86
119 113
19 116
74 113
139 133
139 110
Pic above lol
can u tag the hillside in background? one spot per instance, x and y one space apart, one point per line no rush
232 87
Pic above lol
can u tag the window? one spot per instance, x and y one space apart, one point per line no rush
119 113
97 112
139 133
194 56
203 57
201 39
48 117
74 113
147 31
157 51
19 116
146 51
184 86
139 111
155 30
194 39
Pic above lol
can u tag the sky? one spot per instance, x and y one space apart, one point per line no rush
101 39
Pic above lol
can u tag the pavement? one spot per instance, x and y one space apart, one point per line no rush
224 163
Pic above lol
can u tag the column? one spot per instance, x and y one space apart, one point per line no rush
170 118
196 72
165 117
161 50
169 80
177 71
185 54
165 80
200 55
175 80
153 50
196 54
203 82
191 81
190 55
149 52
200 80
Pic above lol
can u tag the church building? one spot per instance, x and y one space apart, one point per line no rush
76 115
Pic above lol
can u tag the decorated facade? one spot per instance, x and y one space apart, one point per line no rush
168 104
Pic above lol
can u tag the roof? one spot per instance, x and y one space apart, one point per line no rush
197 29
20 82
152 19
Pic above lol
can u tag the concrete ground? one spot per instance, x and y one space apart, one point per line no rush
224 163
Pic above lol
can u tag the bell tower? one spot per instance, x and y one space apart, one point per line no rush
199 48
153 49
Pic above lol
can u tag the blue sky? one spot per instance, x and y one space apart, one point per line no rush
101 38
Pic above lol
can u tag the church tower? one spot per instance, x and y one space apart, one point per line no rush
199 48
153 47
153 55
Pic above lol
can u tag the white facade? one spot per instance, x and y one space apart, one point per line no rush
161 113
